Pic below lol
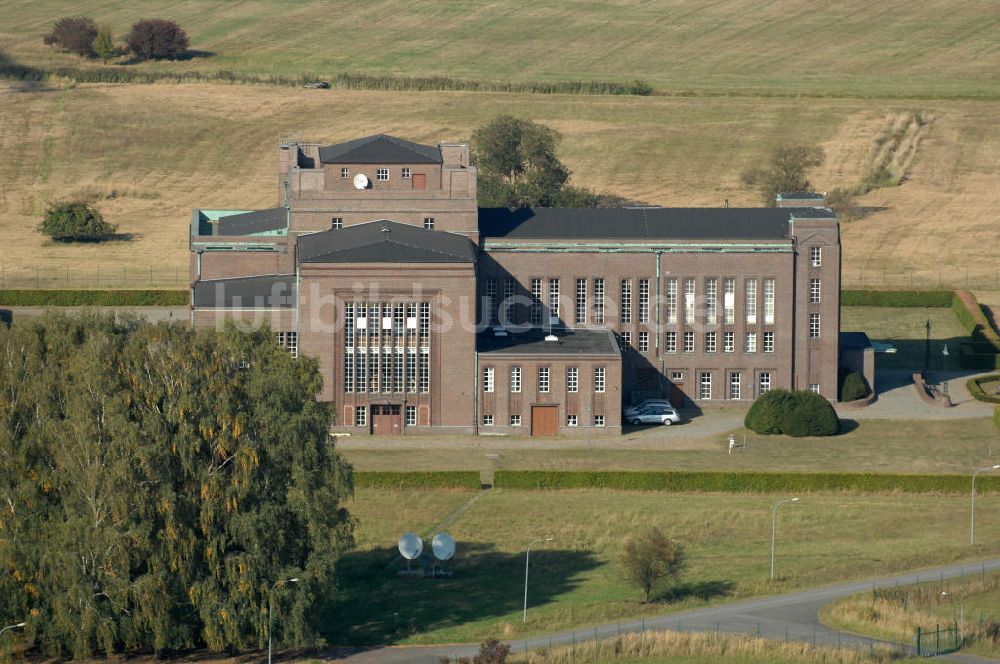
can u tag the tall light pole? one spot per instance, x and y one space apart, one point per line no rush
527 557
972 511
270 614
774 524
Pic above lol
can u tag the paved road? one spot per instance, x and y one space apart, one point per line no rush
790 616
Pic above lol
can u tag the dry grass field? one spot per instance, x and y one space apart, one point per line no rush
152 152
932 48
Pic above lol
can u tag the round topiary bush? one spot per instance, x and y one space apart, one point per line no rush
854 387
799 413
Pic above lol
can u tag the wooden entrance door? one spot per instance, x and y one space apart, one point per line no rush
386 420
544 420
419 181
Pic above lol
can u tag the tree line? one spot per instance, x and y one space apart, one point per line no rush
149 39
161 487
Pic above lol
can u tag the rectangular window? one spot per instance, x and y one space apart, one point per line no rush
553 299
735 381
814 387
536 301
581 302
543 380
397 371
671 300
405 173
599 301
670 342
769 342
489 301
816 256
764 382
769 302
382 174
814 326
345 172
626 301
425 322
751 301
361 370
676 375
729 342
689 301
600 379
509 288
429 223
571 420
626 340
750 343
711 301
290 342
337 223
411 416
487 420
689 342
515 379
349 370
705 385
572 379
814 289
644 342
411 370
644 300
425 370
729 301
710 342
360 416
598 420
515 420
488 379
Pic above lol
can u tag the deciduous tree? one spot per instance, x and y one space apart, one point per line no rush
785 170
70 221
75 34
157 39
650 558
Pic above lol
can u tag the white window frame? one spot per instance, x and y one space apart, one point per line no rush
814 388
729 301
572 379
644 300
815 325
571 420
729 342
598 420
750 342
428 223
735 385
345 172
553 297
705 385
336 223
815 288
361 416
406 173
625 313
769 302
515 420
689 293
489 379
643 341
710 339
815 256
768 342
750 301
580 313
626 339
711 300
382 174
487 420
689 342
411 416
544 380
515 380
599 300
670 342
671 289
763 382
536 301
600 380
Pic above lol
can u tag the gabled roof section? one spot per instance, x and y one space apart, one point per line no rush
272 220
385 242
636 224
380 149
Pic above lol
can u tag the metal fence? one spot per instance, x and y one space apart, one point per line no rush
93 276
940 641
941 278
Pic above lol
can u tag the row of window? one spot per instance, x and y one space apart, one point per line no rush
336 223
571 420
381 174
711 341
361 416
387 347
544 379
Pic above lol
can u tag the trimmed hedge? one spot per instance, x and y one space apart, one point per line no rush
437 479
742 482
903 298
798 413
94 298
975 387
983 352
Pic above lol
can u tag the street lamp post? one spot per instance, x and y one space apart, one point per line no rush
774 524
972 511
527 556
270 613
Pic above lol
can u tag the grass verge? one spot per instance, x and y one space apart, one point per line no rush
94 298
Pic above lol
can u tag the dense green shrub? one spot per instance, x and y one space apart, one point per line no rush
743 482
904 298
94 298
157 39
442 479
75 221
75 34
854 387
975 387
799 413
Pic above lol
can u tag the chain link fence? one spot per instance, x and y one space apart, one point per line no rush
947 278
93 277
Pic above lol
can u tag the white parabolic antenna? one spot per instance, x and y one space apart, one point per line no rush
410 546
443 546
360 181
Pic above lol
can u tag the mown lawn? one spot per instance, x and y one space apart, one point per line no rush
576 579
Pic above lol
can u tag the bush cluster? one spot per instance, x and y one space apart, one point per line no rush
157 39
742 482
975 387
75 221
94 298
440 479
902 298
75 34
798 413
149 39
854 387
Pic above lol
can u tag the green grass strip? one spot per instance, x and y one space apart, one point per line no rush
891 298
436 479
94 298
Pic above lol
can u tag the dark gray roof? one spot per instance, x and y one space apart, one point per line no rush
385 242
650 223
270 291
854 340
532 342
800 196
258 221
380 149
810 212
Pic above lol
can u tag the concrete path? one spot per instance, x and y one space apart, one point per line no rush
792 616
898 400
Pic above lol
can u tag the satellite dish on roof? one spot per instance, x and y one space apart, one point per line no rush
360 181
410 546
443 546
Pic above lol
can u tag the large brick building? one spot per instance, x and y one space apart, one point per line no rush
428 314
